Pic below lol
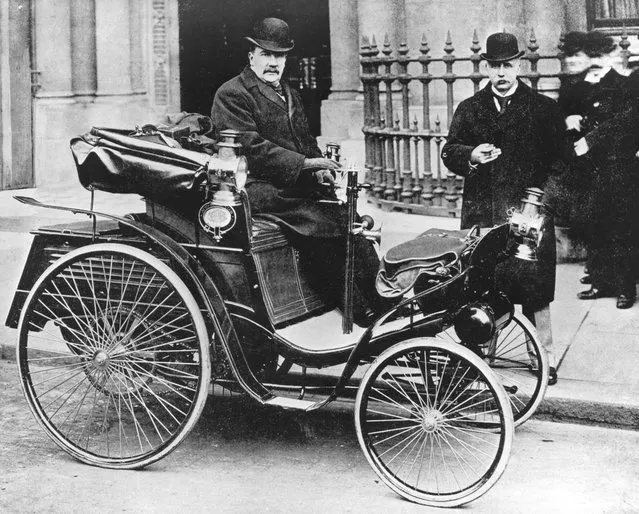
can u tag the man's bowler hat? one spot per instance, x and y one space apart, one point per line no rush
501 47
271 34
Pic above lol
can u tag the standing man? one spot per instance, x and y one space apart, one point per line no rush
504 139
607 150
288 176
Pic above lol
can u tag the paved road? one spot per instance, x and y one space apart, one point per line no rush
246 459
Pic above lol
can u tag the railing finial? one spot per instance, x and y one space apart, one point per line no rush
366 44
386 47
403 49
424 48
532 42
448 45
475 47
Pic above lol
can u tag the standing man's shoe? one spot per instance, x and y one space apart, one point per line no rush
591 294
586 280
625 302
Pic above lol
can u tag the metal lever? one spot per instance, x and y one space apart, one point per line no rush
365 229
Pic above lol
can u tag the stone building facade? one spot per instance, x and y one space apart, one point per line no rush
67 65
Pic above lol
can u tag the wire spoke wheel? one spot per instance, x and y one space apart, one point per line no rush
425 416
516 356
113 356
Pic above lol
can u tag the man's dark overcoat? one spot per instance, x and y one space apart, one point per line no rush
276 140
530 134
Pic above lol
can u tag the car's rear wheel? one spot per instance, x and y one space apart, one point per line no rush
113 356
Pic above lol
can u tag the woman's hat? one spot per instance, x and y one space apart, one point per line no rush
598 44
271 34
501 47
574 42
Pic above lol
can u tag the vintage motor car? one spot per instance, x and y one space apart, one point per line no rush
125 322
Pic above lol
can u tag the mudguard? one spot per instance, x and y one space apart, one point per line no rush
199 283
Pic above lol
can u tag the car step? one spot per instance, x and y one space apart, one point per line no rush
290 403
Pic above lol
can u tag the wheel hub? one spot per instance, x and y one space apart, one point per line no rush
431 420
101 359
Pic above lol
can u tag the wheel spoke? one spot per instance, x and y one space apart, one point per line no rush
516 356
113 354
430 433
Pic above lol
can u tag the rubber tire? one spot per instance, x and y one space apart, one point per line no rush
521 412
202 364
504 434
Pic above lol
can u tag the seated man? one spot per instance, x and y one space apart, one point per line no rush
288 174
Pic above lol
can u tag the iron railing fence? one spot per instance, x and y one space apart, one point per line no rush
405 98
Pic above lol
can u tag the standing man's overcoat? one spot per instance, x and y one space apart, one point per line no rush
530 134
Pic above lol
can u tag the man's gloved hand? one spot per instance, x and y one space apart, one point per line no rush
320 163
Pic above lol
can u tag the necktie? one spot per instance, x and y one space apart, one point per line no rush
503 102
277 88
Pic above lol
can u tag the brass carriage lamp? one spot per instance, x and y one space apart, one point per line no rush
526 225
227 171
230 168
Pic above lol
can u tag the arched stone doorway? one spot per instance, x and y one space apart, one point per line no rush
212 49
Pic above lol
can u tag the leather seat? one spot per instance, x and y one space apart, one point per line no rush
404 263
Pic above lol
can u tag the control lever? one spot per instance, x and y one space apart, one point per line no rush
365 227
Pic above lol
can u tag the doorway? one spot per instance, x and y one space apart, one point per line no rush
212 48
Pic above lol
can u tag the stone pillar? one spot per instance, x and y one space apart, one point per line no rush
5 95
137 34
350 20
84 80
113 47
53 48
380 17
344 49
547 19
576 15
341 112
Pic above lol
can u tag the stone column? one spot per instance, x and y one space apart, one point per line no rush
382 17
53 48
5 95
547 19
137 34
84 79
344 49
113 47
350 20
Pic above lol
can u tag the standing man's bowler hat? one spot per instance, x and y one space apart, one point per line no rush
501 47
271 34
